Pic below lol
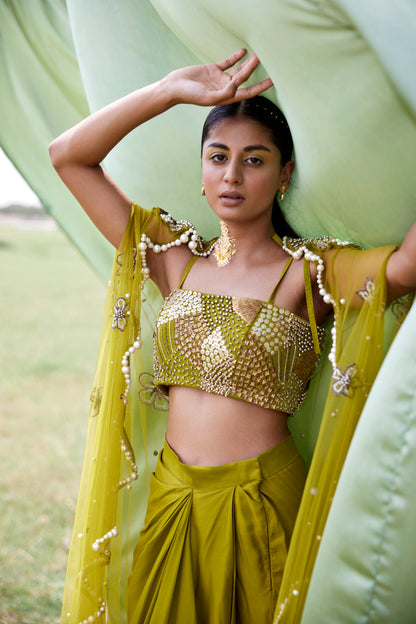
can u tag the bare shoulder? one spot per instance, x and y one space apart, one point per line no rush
166 269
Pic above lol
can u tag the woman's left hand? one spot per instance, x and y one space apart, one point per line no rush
212 84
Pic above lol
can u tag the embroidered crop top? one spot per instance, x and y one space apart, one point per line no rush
237 347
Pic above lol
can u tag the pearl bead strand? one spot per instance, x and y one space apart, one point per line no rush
189 237
125 364
101 611
96 545
304 251
129 455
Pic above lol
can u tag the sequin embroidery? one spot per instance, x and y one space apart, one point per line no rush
238 347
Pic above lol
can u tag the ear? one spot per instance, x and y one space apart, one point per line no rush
287 173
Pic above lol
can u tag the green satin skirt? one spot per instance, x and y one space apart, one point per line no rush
215 539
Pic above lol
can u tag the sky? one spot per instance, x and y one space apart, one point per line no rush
13 189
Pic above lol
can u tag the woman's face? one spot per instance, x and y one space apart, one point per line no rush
241 170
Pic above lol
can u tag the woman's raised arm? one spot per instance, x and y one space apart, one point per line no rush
78 152
401 267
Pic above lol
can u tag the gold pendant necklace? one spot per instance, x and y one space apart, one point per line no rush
225 246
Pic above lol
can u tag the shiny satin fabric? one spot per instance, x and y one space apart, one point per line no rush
215 539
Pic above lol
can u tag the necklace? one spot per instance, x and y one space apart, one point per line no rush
225 246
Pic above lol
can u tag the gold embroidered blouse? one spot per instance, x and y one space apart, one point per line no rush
234 346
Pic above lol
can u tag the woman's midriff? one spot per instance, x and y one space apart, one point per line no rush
206 429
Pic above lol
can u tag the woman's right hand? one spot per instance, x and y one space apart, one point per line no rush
213 84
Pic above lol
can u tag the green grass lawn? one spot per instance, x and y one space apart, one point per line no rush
51 308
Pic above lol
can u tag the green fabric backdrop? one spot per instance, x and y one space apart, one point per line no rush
344 76
42 95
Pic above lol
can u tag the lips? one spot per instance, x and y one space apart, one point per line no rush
231 195
231 199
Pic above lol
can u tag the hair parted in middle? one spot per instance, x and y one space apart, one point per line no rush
265 112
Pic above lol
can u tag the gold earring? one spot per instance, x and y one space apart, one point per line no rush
282 193
203 190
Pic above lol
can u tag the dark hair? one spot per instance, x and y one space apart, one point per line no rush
271 117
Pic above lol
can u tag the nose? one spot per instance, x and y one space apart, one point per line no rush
233 173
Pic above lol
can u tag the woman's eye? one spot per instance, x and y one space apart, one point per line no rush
219 158
253 160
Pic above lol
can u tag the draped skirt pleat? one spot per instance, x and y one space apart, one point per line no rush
215 539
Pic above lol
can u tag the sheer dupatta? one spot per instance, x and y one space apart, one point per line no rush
107 521
354 282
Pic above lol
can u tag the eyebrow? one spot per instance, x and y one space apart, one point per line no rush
248 148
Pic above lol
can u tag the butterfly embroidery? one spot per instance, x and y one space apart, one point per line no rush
342 380
95 399
149 394
367 293
120 314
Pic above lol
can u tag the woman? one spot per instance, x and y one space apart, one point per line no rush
235 358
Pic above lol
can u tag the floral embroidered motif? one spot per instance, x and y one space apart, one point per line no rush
120 314
95 399
367 293
321 242
174 226
343 380
150 395
401 306
119 260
